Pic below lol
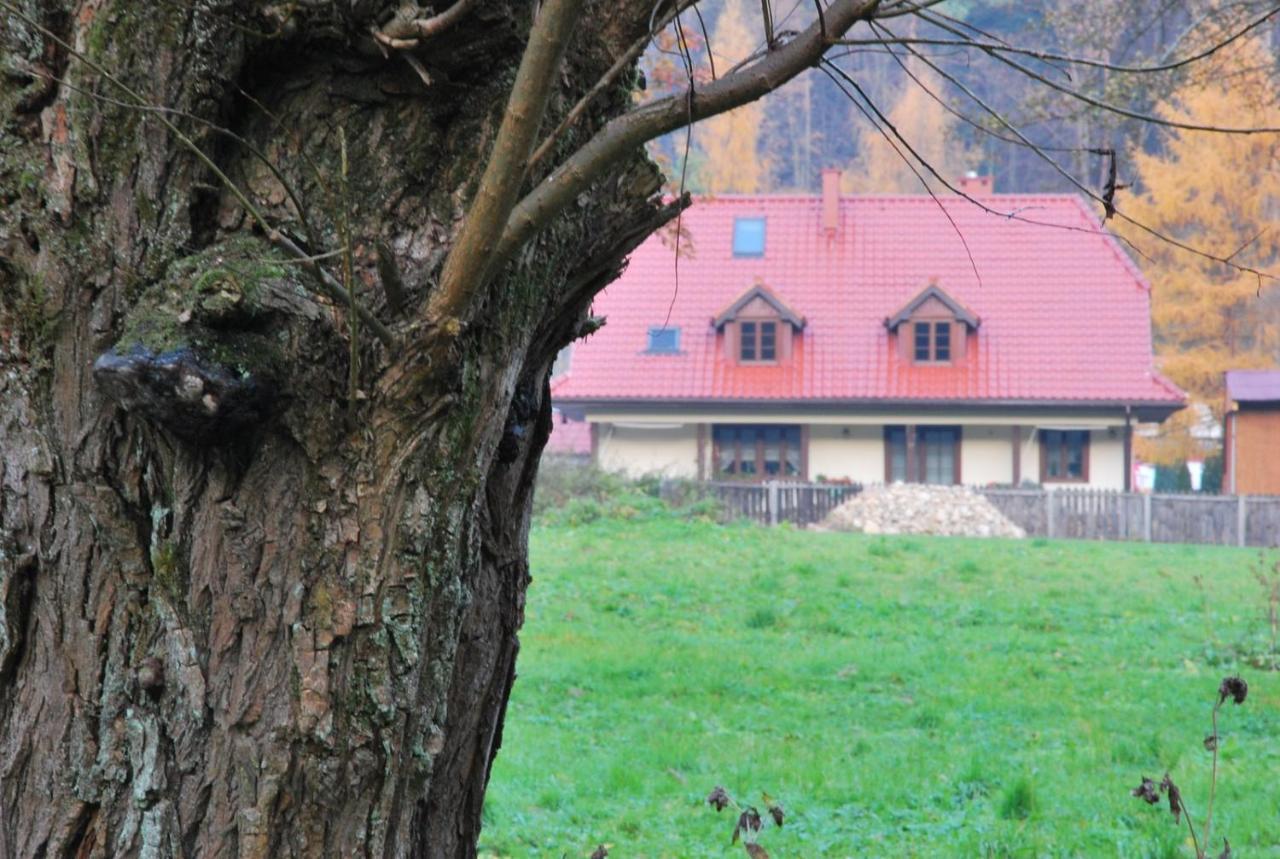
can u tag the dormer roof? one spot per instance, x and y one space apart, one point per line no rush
762 292
933 291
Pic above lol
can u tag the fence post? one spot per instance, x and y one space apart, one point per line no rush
1146 517
771 500
1241 519
1051 511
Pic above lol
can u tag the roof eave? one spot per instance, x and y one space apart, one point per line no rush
1143 410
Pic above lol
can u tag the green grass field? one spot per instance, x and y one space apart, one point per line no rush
900 696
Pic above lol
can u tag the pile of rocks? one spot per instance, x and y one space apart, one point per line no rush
912 508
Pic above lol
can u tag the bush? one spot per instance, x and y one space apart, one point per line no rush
570 493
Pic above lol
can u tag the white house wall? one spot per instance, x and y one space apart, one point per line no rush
853 447
1106 460
986 455
635 449
852 452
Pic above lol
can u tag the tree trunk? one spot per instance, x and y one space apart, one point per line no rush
261 576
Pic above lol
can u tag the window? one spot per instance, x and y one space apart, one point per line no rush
1064 456
937 446
924 346
758 342
664 341
748 237
932 342
757 452
895 442
942 341
936 460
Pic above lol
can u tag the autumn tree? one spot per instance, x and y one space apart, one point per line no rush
731 161
881 166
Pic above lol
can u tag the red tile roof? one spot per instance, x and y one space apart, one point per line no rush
1065 313
1253 386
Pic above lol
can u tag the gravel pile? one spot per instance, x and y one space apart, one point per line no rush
912 508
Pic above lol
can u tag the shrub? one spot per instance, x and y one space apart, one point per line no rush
570 493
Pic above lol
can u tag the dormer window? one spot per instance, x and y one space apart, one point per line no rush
758 327
932 342
932 328
748 237
664 341
757 342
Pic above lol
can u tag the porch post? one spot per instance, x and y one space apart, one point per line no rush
1128 449
912 469
1017 455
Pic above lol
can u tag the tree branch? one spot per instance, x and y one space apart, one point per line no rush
405 29
623 63
644 123
473 257
1049 56
1120 110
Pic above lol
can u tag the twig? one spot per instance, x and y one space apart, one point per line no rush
1050 56
1213 777
829 68
1088 192
624 62
622 134
1119 110
404 31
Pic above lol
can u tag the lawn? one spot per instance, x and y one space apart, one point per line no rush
899 696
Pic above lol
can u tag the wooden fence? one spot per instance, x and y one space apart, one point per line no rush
776 501
1094 514
1085 514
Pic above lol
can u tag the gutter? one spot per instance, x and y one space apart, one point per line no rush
1149 410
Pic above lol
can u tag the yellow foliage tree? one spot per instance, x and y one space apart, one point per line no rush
1219 192
926 125
730 161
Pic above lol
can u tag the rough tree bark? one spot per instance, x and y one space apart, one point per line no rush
260 587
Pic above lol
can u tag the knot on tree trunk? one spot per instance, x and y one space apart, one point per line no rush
203 351
194 398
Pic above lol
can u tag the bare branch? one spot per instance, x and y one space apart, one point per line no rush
1088 192
994 52
648 121
832 70
606 80
407 27
1049 56
472 257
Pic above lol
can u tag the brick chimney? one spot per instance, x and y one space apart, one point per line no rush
974 185
831 200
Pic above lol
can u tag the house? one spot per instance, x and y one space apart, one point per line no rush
1251 445
874 338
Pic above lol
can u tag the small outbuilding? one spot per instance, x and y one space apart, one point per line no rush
1251 444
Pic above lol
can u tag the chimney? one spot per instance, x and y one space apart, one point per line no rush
974 185
831 200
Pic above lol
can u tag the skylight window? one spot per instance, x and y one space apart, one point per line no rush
664 341
748 237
